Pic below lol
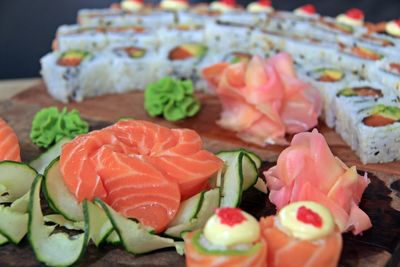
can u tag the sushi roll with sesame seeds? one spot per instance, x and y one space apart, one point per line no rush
81 38
387 72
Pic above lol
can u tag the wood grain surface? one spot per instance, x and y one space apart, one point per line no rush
381 200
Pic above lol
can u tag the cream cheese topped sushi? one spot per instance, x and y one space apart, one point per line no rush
352 17
260 6
306 220
174 5
393 28
308 10
132 5
223 6
231 226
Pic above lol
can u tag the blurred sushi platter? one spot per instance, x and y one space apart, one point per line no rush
102 65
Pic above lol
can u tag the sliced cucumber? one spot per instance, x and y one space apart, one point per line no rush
250 172
113 238
60 199
216 179
47 157
100 225
208 206
254 157
16 179
59 220
134 237
21 204
13 225
188 209
232 179
180 247
261 186
53 249
3 240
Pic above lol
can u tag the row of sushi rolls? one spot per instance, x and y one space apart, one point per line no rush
147 187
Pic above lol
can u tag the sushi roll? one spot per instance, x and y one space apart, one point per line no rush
309 49
352 17
61 73
302 234
231 237
96 17
265 42
261 6
387 72
133 67
349 100
328 80
183 49
136 35
244 18
71 37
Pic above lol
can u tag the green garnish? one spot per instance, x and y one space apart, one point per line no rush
171 98
50 126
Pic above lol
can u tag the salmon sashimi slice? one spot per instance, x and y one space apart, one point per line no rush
263 99
287 251
198 257
140 169
9 146
307 170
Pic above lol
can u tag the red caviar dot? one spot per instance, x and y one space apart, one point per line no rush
355 13
229 2
308 216
230 216
265 3
309 8
397 21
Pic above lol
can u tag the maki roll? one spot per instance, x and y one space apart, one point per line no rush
61 73
74 37
231 237
133 67
302 234
387 72
96 17
135 35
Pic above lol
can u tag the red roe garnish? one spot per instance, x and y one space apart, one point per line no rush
309 8
308 216
231 3
265 3
397 21
230 216
395 67
355 13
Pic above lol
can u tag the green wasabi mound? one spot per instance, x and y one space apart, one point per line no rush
173 99
50 126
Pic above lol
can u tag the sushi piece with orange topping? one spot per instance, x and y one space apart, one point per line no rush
302 234
231 237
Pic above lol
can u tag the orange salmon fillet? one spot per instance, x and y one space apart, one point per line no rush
141 169
197 258
286 251
9 146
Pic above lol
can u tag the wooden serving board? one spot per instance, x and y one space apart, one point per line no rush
381 200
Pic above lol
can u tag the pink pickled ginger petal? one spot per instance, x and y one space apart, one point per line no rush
307 170
270 87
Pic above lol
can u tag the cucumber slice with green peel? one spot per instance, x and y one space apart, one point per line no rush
254 157
60 199
113 238
16 179
188 209
232 179
100 225
57 249
180 247
208 206
59 220
250 172
40 164
261 186
13 225
216 179
134 237
3 240
21 204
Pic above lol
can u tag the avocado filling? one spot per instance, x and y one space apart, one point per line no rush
382 115
360 91
135 52
327 75
187 51
72 58
236 57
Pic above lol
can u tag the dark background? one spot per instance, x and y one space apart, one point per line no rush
27 27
